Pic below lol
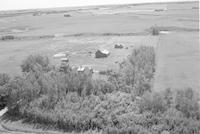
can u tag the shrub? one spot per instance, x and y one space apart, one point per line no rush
183 114
42 93
177 124
155 30
67 15
136 73
4 79
105 72
129 130
152 102
186 101
35 63
101 86
7 37
73 101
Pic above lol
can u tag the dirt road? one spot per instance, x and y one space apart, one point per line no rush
5 131
17 127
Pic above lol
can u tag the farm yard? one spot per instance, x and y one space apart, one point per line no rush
148 64
78 49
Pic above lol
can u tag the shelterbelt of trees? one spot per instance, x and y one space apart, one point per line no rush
125 103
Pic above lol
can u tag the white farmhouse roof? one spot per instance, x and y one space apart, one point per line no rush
164 32
64 59
81 69
105 51
59 55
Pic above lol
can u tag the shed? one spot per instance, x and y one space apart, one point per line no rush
102 53
120 46
64 60
67 15
59 55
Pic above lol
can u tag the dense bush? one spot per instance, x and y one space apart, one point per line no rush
105 72
161 112
174 121
72 112
153 102
4 80
155 30
187 102
136 73
7 37
35 63
73 101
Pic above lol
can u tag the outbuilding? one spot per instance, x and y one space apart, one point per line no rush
119 46
102 53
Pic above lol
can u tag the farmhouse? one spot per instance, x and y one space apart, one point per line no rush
102 53
80 69
66 60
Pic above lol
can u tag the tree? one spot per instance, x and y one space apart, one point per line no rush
35 63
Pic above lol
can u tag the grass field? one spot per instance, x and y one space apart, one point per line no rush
100 27
178 61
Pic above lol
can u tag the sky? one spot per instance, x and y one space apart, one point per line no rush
33 4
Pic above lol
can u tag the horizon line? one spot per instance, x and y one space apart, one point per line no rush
94 5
